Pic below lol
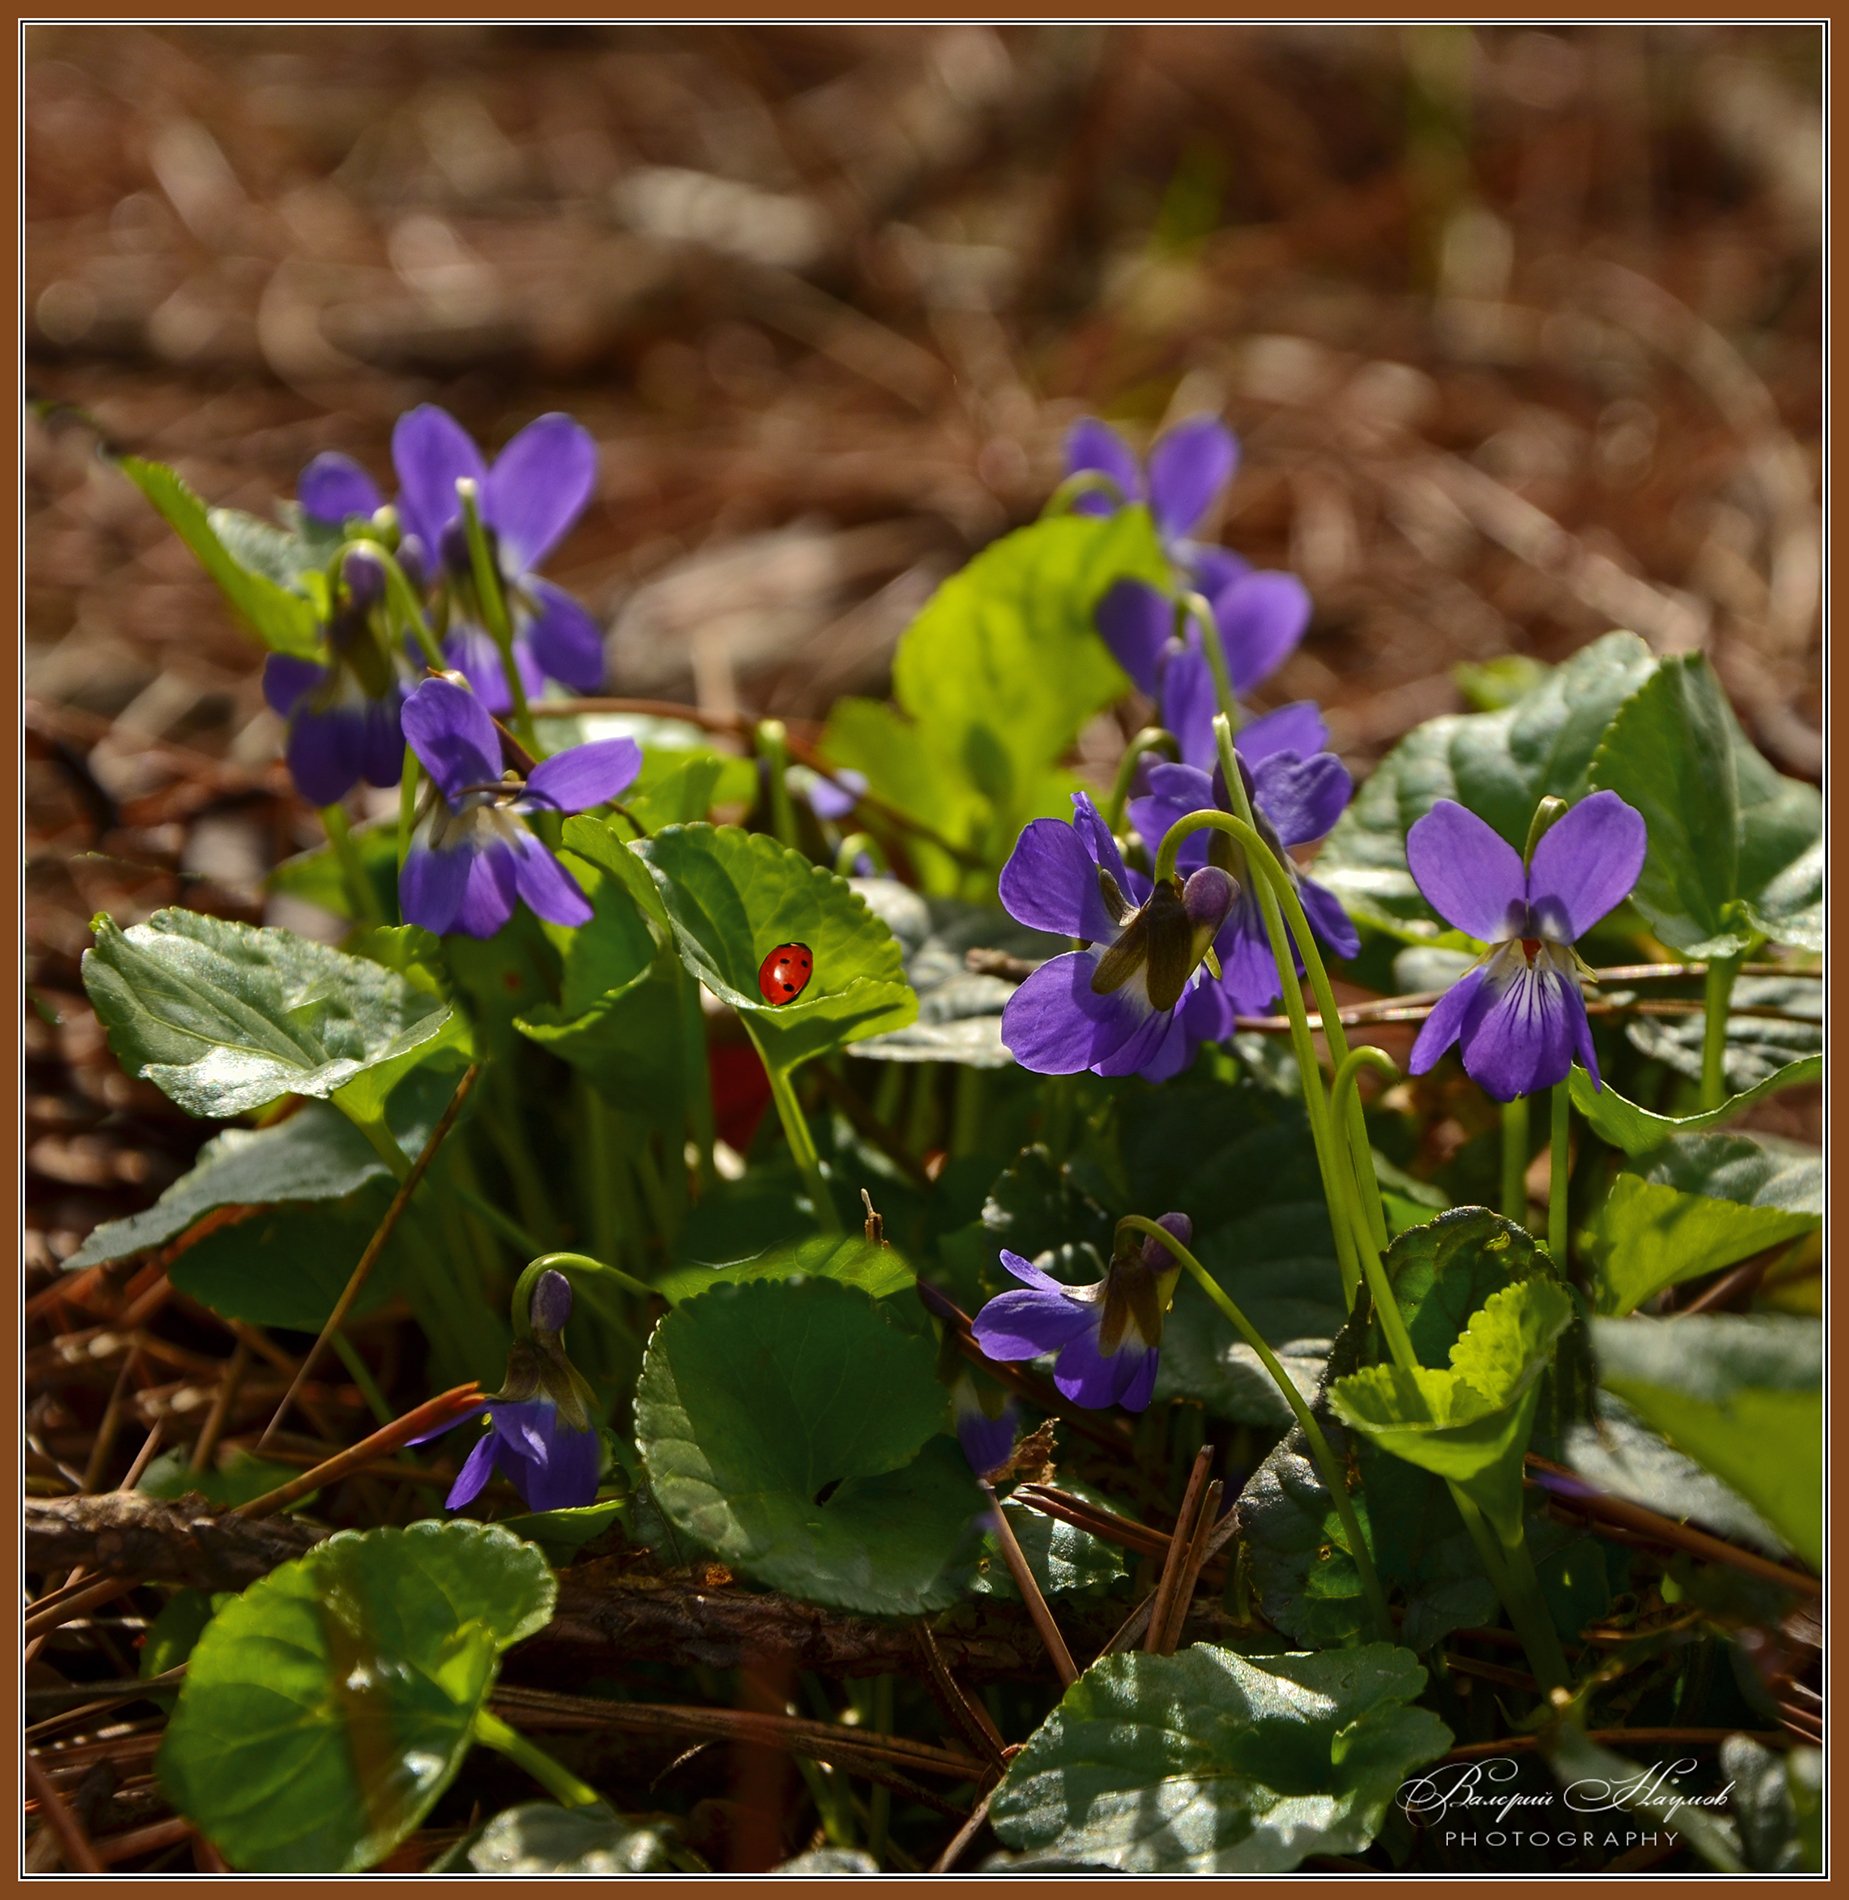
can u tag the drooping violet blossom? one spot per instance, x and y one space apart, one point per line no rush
1519 1015
1297 792
986 1436
472 854
343 715
1136 1004
1107 1336
541 1434
529 499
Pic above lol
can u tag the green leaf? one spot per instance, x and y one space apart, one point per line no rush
831 1860
902 768
1736 849
1498 764
540 1837
561 1534
731 897
237 1480
1638 1130
1618 1454
959 1009
1777 1805
1062 1558
791 1426
851 1259
1740 1394
1757 1045
282 619
1004 663
1669 753
1208 1762
224 1018
326 1709
1600 1782
1698 1204
1470 1423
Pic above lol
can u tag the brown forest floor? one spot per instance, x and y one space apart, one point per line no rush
1520 329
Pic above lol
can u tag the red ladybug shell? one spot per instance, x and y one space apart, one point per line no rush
785 973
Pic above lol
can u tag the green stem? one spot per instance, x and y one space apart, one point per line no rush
1392 1324
1327 1464
494 610
1717 992
401 593
1197 608
407 810
1271 884
557 1780
1515 1160
566 1263
1079 484
773 748
1150 739
802 1143
855 846
1557 1168
1510 1569
352 871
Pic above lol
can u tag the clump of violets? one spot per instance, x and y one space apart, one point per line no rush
1105 1338
1518 1015
473 856
542 1434
529 499
1133 1000
342 715
1297 792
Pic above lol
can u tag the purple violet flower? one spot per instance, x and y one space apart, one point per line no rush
334 490
472 855
1519 1015
541 1434
1261 617
1136 1006
536 490
1188 466
343 716
1107 1336
987 1437
1297 792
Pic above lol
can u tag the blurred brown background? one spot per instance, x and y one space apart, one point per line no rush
1520 328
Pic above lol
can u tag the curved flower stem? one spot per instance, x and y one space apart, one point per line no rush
407 809
1386 1306
773 747
567 1263
802 1143
1077 486
1511 1570
1557 1167
402 594
352 870
557 1780
857 845
494 610
1150 739
1515 1160
1716 993
1328 1465
1273 884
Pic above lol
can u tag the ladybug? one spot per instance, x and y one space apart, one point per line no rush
785 973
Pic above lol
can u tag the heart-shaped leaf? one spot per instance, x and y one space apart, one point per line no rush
540 1837
876 1269
1498 764
1639 1130
1741 1394
245 557
326 1708
731 897
1470 1422
793 1427
1209 1762
223 1017
1698 1204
